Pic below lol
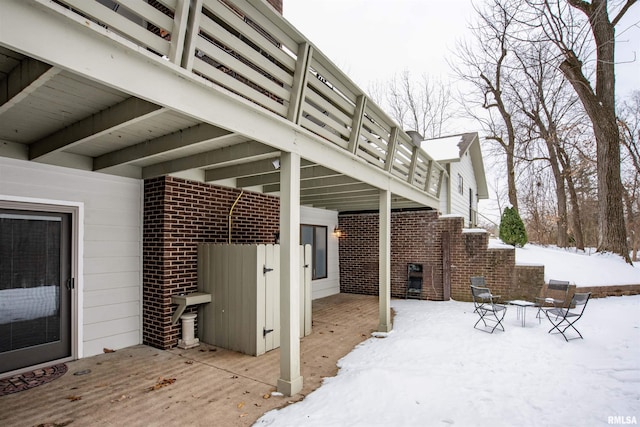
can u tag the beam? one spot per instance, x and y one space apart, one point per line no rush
290 381
310 172
391 149
355 196
233 153
384 261
265 166
127 112
338 189
356 124
24 79
199 134
315 183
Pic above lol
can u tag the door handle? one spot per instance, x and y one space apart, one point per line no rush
71 283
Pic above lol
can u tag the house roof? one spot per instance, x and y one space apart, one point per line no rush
450 149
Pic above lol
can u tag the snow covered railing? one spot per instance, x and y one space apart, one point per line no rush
249 49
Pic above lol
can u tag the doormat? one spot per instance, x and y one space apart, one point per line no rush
31 379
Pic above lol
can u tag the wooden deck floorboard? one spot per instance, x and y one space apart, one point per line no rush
212 386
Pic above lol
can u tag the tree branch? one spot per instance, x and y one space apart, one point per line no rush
624 10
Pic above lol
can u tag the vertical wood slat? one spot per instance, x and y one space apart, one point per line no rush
260 290
299 88
270 292
179 33
391 149
222 262
191 36
427 179
358 115
276 296
413 166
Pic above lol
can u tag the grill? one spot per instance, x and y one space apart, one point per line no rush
414 281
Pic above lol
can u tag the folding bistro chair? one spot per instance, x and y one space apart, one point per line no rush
478 281
564 318
553 295
491 314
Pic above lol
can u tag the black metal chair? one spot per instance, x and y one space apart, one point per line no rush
565 318
553 295
478 281
491 313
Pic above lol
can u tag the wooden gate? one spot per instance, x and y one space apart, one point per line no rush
244 282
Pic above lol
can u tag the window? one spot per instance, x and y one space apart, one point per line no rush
316 236
460 184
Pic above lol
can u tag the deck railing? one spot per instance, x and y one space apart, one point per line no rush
252 51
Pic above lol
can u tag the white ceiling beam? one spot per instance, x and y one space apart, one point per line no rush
338 189
355 196
199 134
245 151
316 183
306 173
364 205
245 169
23 80
125 113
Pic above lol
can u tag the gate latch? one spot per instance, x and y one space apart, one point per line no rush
266 269
266 331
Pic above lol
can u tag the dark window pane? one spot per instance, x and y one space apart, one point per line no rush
30 262
320 255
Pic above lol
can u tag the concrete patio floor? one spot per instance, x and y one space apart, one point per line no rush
203 386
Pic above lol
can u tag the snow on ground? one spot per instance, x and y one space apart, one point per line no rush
435 369
579 268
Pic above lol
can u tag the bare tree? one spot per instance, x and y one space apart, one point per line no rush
484 63
424 105
570 33
629 121
548 102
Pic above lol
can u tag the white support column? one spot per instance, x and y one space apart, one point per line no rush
290 381
384 259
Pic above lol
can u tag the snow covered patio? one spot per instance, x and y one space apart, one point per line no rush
435 369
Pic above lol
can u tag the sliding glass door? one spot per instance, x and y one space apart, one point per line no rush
35 287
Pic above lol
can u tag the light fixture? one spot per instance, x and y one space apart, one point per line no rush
276 164
337 232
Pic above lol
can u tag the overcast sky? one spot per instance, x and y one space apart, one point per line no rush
371 40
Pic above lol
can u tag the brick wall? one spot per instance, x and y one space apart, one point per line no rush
607 291
420 236
179 214
528 283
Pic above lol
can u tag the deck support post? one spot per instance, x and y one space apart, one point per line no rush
384 260
290 381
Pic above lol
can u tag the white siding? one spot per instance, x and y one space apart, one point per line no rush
331 285
444 195
111 283
460 202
